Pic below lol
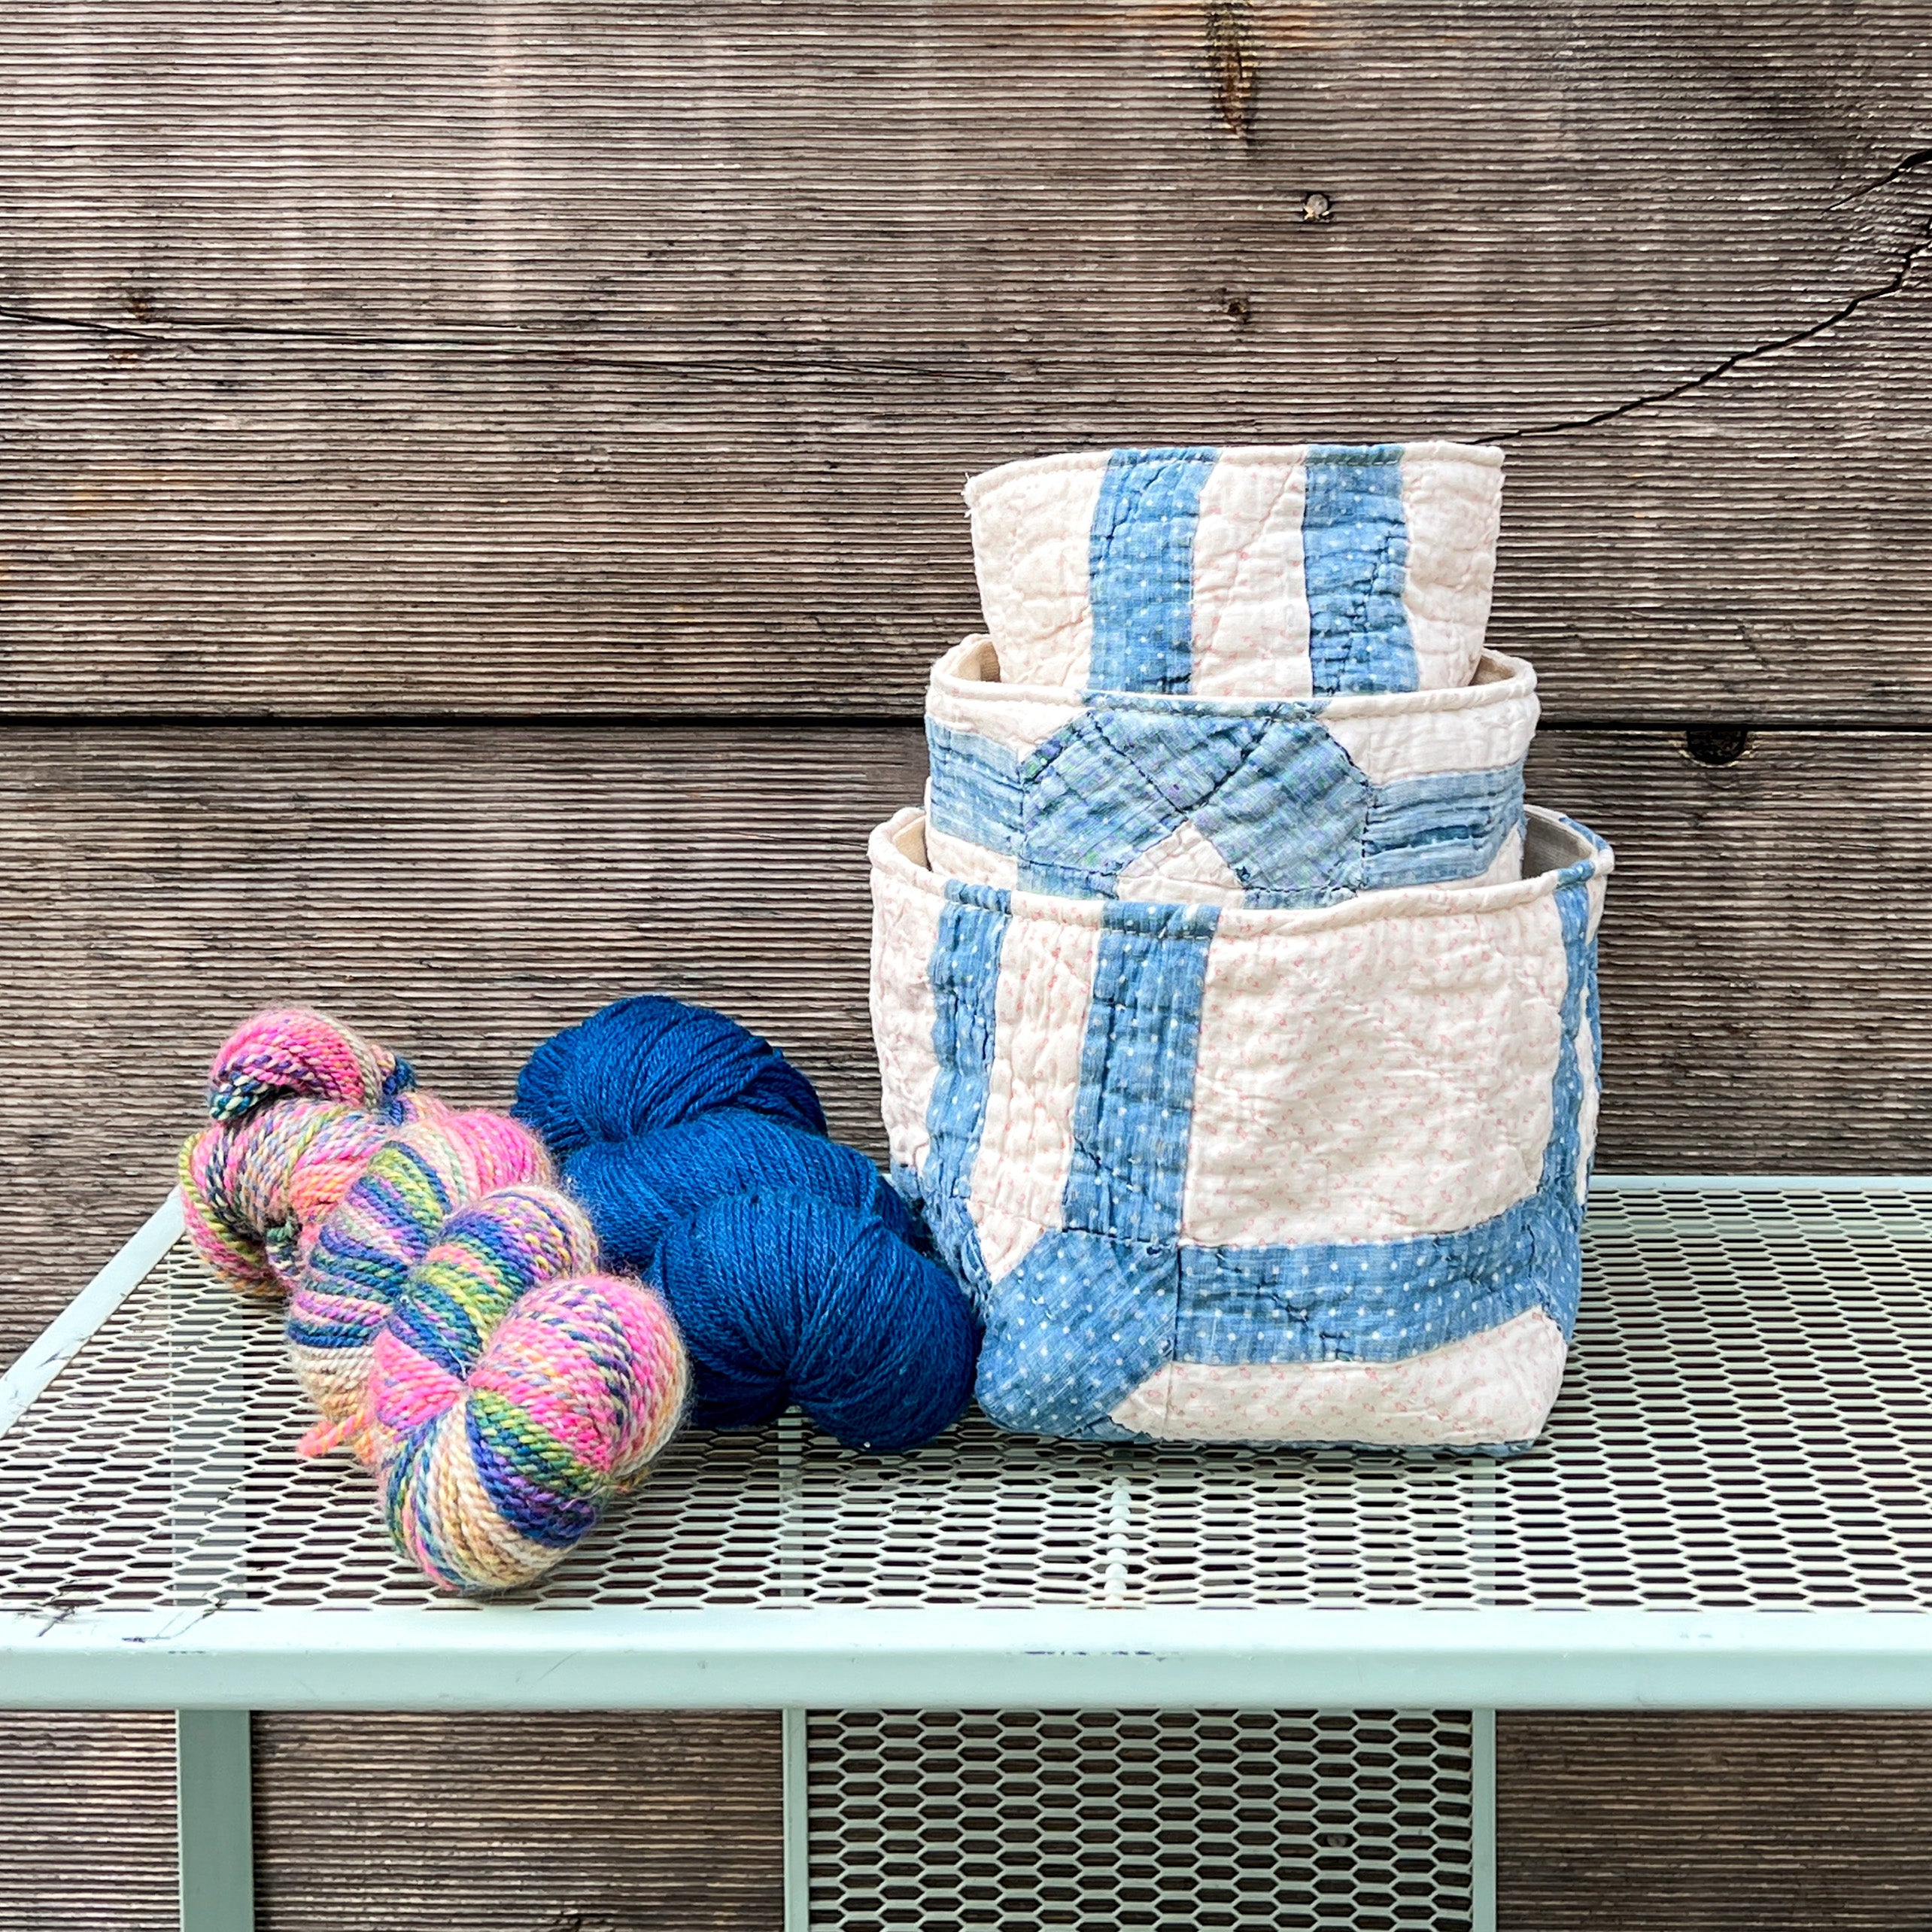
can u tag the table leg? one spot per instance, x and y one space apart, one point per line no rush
797 1825
215 1821
1482 1821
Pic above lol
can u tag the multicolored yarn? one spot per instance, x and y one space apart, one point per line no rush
794 1272
515 1388
445 1315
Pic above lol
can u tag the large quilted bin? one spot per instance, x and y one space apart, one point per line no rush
1273 572
1220 1175
1261 802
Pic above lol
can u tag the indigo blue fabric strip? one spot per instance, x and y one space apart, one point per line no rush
1288 820
1074 1329
1379 1301
976 791
1355 563
1279 799
1140 569
1082 1320
1134 1110
1110 784
1563 1154
964 973
1425 831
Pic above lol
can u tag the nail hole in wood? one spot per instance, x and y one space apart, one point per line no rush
1717 744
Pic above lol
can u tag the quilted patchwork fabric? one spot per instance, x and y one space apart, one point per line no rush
1265 803
1238 1173
1268 571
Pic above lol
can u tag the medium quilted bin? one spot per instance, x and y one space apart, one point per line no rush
1260 803
1217 1174
1293 571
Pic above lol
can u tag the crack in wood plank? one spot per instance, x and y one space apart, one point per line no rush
1893 284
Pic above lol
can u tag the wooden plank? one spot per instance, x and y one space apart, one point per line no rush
1616 1822
505 357
1764 952
462 892
672 1820
87 1822
458 894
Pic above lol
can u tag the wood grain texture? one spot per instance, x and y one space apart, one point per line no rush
507 357
1616 1822
669 1822
1609 1822
1765 951
87 1822
461 894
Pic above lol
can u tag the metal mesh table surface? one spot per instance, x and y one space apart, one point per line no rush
1744 1425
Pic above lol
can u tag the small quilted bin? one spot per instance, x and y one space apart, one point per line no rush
1293 571
1218 1174
1261 803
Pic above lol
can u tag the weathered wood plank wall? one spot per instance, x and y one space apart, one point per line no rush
526 356
481 496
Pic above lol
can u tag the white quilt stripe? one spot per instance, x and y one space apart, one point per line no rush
966 692
905 931
1031 535
1484 726
964 859
1251 602
1452 512
1184 868
1026 1143
1379 1079
1504 869
1495 1388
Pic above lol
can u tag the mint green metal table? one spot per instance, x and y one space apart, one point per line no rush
1730 1510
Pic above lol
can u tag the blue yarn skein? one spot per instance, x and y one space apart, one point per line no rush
702 1156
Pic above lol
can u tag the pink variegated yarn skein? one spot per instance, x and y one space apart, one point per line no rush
446 1314
301 1110
499 1453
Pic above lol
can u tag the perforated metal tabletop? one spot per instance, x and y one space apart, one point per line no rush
1731 1507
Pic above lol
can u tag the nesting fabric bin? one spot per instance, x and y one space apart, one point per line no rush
1220 1175
1257 802
1282 571
1238 1018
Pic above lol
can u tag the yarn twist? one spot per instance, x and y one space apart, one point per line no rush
445 1311
514 1387
792 1269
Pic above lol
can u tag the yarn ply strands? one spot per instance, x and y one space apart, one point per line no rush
701 1156
446 1313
